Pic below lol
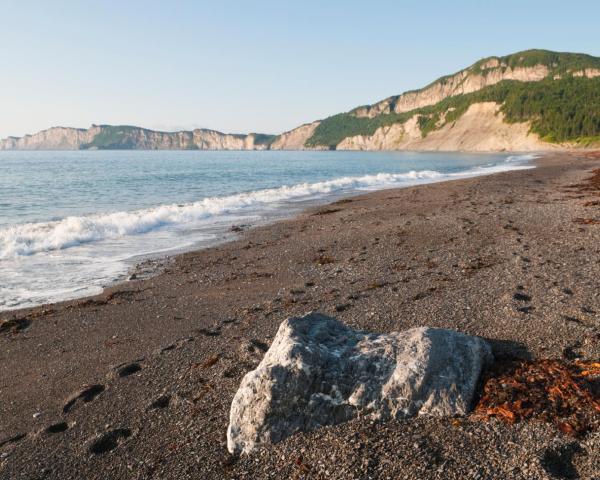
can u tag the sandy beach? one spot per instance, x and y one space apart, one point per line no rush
137 382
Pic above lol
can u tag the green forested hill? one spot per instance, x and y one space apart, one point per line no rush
561 108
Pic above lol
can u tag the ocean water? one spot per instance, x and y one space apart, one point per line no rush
74 222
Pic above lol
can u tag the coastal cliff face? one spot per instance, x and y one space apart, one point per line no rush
480 129
295 139
490 72
125 137
530 100
587 72
56 138
212 140
465 81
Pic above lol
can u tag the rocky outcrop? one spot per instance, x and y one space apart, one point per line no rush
320 372
212 140
462 82
486 133
587 72
296 138
143 139
480 129
107 136
391 137
56 138
125 137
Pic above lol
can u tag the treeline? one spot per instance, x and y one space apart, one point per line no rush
562 110
559 110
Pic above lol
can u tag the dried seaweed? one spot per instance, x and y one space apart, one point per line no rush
566 394
323 260
592 184
586 221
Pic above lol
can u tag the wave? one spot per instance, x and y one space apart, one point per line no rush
526 157
32 238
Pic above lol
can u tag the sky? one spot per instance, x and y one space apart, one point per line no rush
252 66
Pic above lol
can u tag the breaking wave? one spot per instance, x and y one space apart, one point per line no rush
32 238
521 158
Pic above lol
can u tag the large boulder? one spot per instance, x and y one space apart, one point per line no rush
321 372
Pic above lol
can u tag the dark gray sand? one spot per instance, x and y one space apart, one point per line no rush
137 382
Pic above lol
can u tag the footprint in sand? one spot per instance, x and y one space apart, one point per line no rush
85 395
161 402
125 369
128 369
108 441
59 427
522 297
14 325
526 309
174 346
14 439
558 461
209 332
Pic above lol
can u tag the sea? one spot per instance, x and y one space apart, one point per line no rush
74 222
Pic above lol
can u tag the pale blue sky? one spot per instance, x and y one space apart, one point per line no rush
240 66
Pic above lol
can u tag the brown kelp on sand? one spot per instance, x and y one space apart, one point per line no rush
564 393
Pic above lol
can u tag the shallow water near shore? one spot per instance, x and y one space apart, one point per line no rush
74 222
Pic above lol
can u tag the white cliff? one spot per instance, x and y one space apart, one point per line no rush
480 129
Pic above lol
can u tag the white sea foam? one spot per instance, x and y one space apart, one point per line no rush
526 157
32 238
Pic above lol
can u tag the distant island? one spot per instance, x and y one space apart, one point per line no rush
530 100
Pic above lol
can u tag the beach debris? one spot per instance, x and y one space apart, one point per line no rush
591 184
323 260
209 332
320 372
210 361
327 211
564 393
586 221
376 285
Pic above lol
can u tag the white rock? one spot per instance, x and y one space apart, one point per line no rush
320 372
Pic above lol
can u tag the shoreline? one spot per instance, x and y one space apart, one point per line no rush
450 254
144 265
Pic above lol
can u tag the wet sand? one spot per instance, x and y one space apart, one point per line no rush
137 382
